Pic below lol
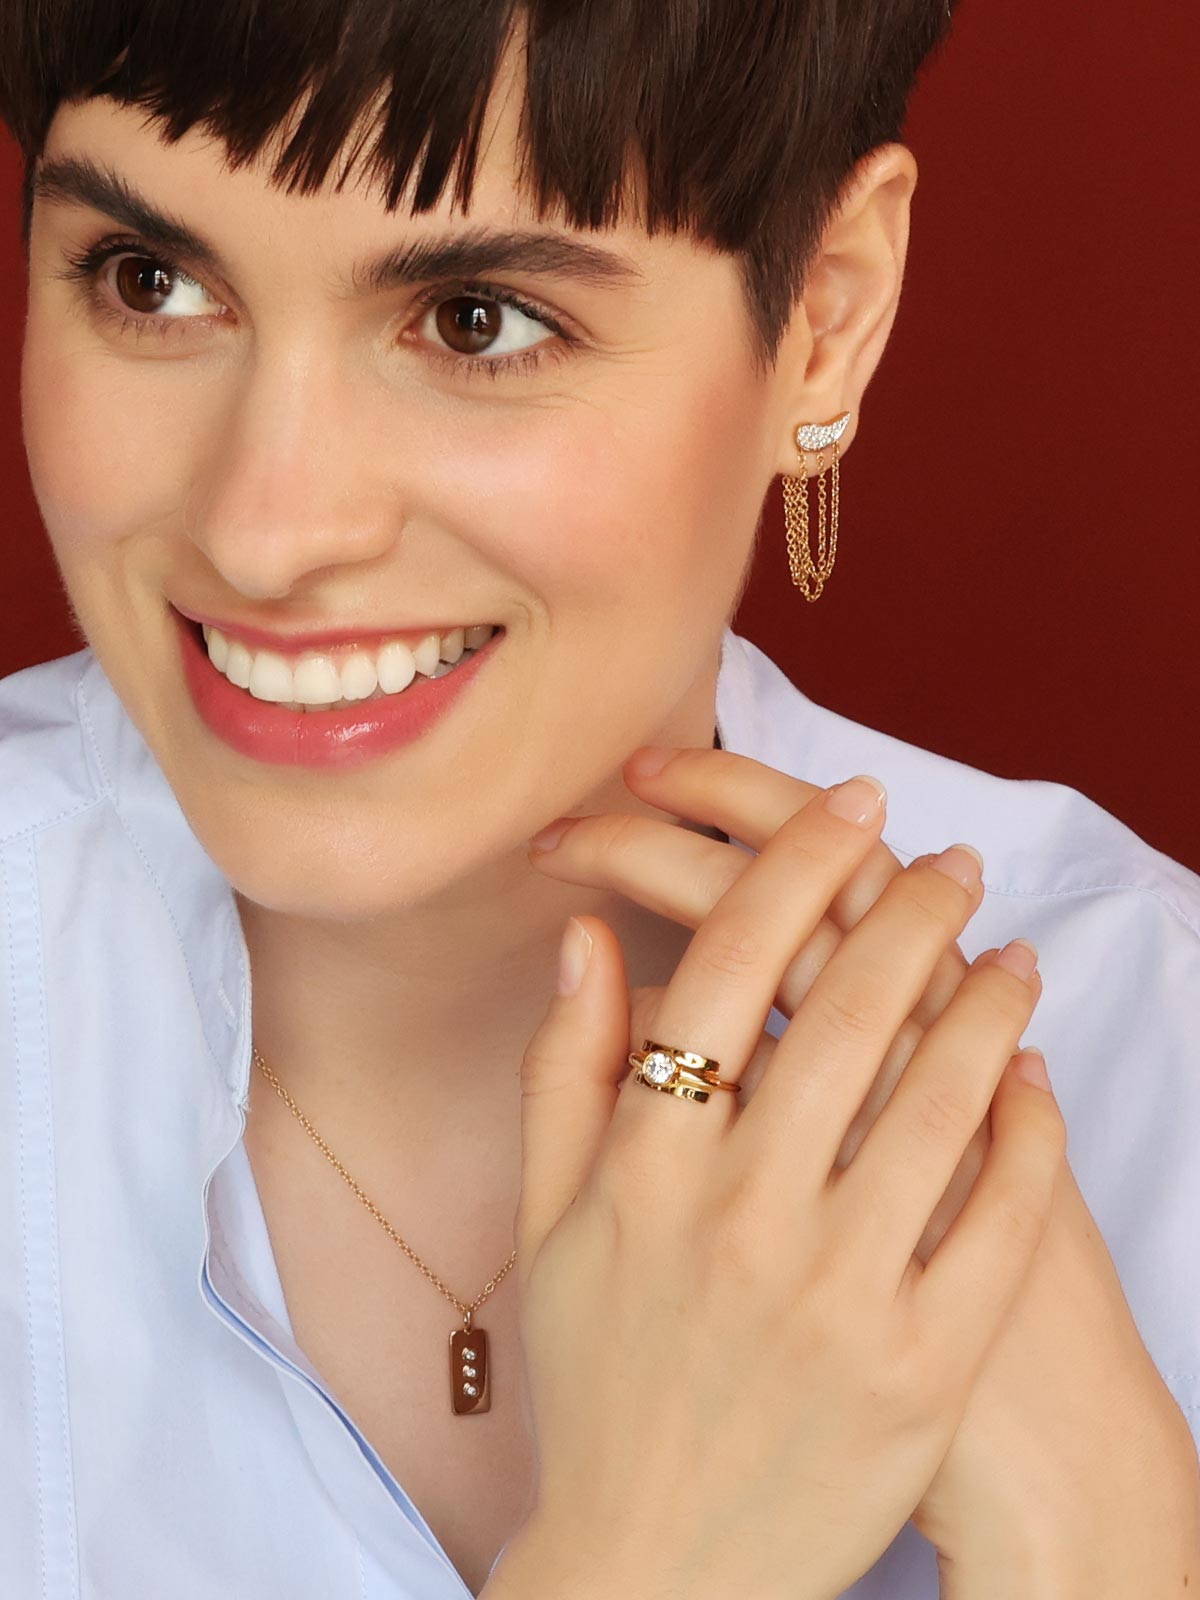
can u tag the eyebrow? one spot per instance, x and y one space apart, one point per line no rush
467 254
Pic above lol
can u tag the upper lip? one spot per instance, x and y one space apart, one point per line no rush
318 638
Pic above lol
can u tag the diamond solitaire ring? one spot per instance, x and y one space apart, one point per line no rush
678 1072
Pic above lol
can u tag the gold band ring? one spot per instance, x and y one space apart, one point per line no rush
678 1072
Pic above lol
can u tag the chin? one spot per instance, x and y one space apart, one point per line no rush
351 878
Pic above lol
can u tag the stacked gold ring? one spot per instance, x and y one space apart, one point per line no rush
678 1072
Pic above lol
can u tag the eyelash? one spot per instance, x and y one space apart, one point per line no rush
84 267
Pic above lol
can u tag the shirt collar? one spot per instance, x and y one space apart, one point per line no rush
197 895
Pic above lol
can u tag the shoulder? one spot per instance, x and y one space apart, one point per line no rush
48 772
1039 839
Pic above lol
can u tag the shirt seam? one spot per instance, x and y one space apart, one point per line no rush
1103 887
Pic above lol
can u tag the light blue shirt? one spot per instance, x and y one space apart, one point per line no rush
163 1435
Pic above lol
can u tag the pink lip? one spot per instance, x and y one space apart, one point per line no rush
319 639
323 739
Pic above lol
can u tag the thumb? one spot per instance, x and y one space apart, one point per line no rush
570 1076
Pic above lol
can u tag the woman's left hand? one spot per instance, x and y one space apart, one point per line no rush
1073 1471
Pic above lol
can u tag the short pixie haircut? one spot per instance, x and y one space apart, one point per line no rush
749 114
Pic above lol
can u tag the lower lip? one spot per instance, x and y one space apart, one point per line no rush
344 738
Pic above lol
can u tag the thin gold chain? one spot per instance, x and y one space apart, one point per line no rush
370 1204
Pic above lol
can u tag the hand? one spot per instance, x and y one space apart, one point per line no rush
1073 1473
733 1357
1070 1441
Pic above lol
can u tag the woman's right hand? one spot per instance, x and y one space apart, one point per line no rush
739 1376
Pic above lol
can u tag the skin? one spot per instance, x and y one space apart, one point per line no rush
311 462
1073 1474
319 468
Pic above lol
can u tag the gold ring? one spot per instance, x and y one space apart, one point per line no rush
678 1072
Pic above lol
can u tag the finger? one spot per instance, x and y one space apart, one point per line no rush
681 874
748 800
829 1053
977 1270
721 993
570 1075
910 1154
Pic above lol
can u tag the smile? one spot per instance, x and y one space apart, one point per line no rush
337 707
331 680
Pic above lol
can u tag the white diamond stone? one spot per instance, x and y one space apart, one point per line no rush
658 1066
469 1388
468 1372
468 1355
817 435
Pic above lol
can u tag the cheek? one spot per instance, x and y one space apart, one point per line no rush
594 506
100 451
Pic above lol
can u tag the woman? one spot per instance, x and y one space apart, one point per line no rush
399 508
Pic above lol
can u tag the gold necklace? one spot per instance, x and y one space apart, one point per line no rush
469 1364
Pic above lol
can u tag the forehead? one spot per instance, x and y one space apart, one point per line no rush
197 180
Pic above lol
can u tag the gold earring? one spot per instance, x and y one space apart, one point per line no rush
812 436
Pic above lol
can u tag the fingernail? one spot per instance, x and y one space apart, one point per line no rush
547 837
1031 1067
573 956
858 800
962 862
650 759
1020 957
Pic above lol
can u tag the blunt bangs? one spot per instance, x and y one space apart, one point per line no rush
740 120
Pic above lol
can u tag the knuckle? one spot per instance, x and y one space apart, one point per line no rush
1001 1000
731 948
944 1112
618 836
845 1013
540 1070
793 844
1020 1218
915 1379
740 1244
628 1174
929 899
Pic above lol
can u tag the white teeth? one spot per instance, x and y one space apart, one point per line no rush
237 667
317 681
359 677
270 677
427 654
396 666
453 645
218 647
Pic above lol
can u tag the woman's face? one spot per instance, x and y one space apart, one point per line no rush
253 441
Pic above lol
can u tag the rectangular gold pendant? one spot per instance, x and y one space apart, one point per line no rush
469 1371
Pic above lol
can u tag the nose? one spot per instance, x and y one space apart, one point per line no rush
294 482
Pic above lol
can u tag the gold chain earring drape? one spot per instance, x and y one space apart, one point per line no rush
808 575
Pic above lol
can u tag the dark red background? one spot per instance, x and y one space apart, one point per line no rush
1018 567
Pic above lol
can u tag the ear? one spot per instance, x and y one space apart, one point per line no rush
842 321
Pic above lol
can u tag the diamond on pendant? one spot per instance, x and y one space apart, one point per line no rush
467 1355
468 1372
469 1388
816 435
658 1067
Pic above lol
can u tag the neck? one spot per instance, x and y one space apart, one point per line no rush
401 1038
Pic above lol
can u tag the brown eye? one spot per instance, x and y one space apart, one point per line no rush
468 324
139 280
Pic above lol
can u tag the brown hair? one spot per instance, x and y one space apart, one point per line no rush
749 114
